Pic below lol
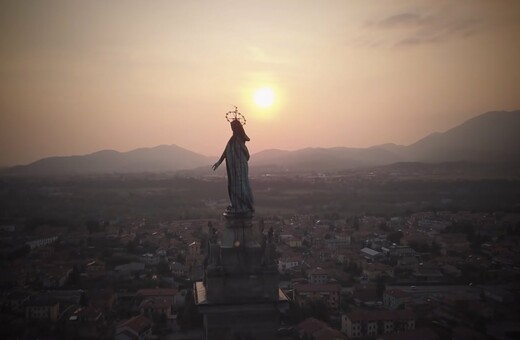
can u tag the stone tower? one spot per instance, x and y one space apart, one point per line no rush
239 297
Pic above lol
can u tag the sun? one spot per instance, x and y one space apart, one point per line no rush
264 97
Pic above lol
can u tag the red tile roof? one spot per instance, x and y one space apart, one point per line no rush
156 303
322 287
381 315
328 333
311 325
396 293
157 292
317 271
414 334
138 324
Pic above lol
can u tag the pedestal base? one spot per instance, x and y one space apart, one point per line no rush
248 320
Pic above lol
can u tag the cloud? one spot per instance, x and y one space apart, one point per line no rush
412 28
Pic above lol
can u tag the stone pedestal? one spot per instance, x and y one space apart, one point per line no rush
239 298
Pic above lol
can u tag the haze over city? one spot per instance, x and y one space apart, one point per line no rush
79 77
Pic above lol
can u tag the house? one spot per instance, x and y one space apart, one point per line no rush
338 242
295 242
408 262
288 263
154 302
317 275
15 301
465 333
132 267
56 276
397 252
318 330
193 260
86 322
194 248
329 293
42 242
137 328
157 308
395 298
150 259
103 299
371 323
95 268
414 334
365 294
369 253
372 271
179 269
456 243
42 308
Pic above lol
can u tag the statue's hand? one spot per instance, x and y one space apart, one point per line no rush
215 166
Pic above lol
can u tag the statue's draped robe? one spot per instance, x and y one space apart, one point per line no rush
237 168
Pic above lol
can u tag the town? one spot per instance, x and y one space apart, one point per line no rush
432 274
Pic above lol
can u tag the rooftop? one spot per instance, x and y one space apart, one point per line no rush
381 315
138 323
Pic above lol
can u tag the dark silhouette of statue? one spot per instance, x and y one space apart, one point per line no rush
237 156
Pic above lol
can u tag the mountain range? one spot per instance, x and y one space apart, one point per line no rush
493 137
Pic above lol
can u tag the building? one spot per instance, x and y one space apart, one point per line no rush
104 299
157 308
327 292
364 323
414 334
317 275
86 323
42 308
139 327
41 242
369 253
397 252
95 268
287 263
456 243
318 330
162 293
365 294
395 298
338 242
15 301
194 248
130 268
150 259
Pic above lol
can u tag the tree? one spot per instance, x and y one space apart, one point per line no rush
356 223
318 309
381 286
189 316
395 237
164 269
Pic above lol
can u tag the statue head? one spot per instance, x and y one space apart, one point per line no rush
238 130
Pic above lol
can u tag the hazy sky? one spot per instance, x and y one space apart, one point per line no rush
81 76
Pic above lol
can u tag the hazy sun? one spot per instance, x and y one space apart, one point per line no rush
264 97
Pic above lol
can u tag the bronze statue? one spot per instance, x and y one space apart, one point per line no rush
236 155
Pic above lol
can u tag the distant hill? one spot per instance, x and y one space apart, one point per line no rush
161 158
322 159
492 137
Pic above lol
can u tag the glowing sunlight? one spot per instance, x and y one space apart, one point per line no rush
263 97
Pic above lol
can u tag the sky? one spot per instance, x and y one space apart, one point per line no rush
82 76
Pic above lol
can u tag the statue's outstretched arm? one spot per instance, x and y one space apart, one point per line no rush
221 159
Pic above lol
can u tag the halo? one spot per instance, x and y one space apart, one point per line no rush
235 115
